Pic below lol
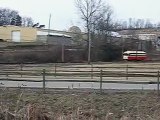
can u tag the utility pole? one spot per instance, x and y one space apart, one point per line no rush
62 52
89 47
137 49
122 45
49 24
141 46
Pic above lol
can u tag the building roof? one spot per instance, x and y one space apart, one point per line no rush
52 34
134 52
114 34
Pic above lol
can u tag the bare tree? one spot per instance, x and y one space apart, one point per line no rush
27 21
91 11
158 25
130 23
7 16
141 23
124 25
148 24
12 17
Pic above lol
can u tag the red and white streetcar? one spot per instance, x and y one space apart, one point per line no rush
134 55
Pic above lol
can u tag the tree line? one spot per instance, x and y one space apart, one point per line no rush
98 21
136 23
12 17
99 24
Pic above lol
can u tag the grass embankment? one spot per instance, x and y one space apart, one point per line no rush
70 105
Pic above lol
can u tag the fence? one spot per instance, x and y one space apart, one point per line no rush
84 73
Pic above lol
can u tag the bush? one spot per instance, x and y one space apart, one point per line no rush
46 55
107 52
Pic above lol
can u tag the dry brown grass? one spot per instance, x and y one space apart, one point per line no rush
18 104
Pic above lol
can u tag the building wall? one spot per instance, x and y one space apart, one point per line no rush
143 34
27 34
42 38
59 40
72 34
55 40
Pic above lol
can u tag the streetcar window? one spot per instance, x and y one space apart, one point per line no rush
138 54
126 54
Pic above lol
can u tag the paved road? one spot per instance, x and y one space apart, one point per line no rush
72 85
110 67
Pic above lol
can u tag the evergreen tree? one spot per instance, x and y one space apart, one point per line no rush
18 21
12 17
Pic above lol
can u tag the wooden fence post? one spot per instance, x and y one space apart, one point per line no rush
21 67
44 73
55 69
7 75
158 83
127 72
101 76
91 71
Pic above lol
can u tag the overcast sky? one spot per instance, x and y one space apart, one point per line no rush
64 14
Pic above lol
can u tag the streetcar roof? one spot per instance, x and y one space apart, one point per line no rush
135 52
